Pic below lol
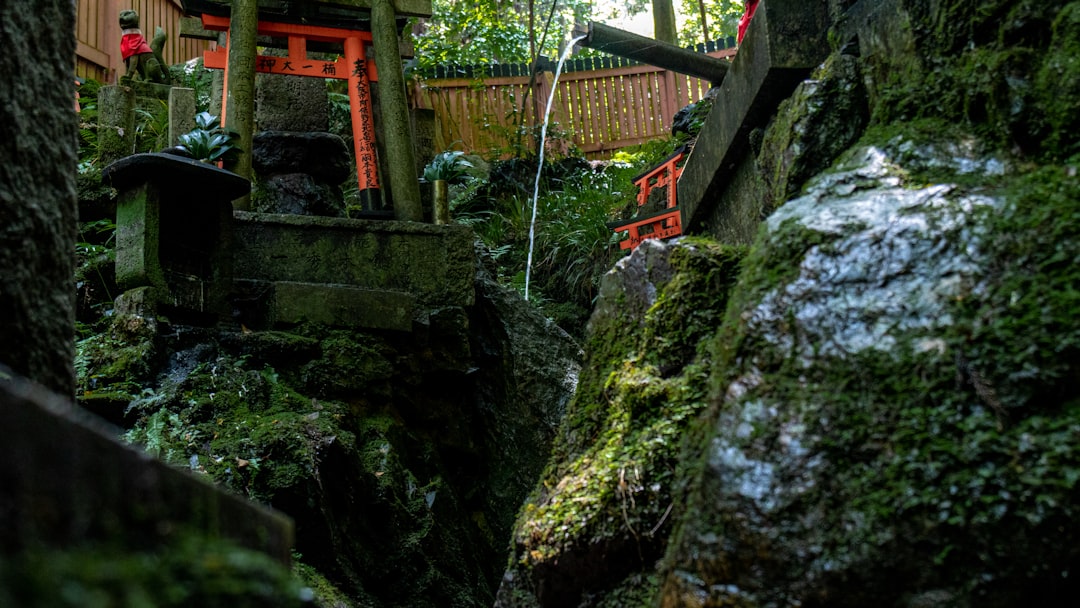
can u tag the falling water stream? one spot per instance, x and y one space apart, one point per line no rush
540 165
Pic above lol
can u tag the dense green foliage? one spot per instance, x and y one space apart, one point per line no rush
209 141
721 20
573 246
496 31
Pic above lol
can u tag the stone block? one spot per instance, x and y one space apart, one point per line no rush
322 155
785 41
116 123
181 113
138 226
173 228
297 194
291 103
434 265
342 306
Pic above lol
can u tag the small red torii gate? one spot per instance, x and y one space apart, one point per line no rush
662 224
354 67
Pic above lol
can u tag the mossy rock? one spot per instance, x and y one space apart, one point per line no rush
597 522
892 417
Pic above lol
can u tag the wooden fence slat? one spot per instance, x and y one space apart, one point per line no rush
624 101
613 106
604 108
584 121
640 118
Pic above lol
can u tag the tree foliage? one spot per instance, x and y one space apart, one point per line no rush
721 16
465 32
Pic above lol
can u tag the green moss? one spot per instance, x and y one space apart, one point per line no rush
246 428
636 591
1033 285
195 571
988 66
107 364
325 593
350 361
612 479
1057 83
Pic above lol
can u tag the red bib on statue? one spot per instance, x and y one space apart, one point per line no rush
133 44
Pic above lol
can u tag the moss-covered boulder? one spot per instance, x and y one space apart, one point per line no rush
886 409
894 413
594 528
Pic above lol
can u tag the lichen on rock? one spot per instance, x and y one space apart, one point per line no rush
863 442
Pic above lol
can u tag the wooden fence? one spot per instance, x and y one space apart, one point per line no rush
597 110
97 32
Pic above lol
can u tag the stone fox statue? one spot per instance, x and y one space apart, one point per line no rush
143 61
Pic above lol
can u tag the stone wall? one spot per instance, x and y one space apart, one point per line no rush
356 273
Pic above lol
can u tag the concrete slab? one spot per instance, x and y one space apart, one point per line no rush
785 41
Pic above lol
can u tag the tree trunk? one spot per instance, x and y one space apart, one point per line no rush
704 21
404 186
663 12
240 107
37 192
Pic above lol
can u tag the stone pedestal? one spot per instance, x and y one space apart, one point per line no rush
116 122
182 110
173 230
299 173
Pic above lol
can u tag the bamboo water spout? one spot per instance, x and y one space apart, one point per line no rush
653 52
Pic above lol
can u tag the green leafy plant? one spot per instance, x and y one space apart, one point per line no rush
152 127
209 142
449 166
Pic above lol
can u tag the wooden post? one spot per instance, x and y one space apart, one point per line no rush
404 185
362 124
653 52
240 106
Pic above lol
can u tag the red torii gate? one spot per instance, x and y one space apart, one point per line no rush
354 67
